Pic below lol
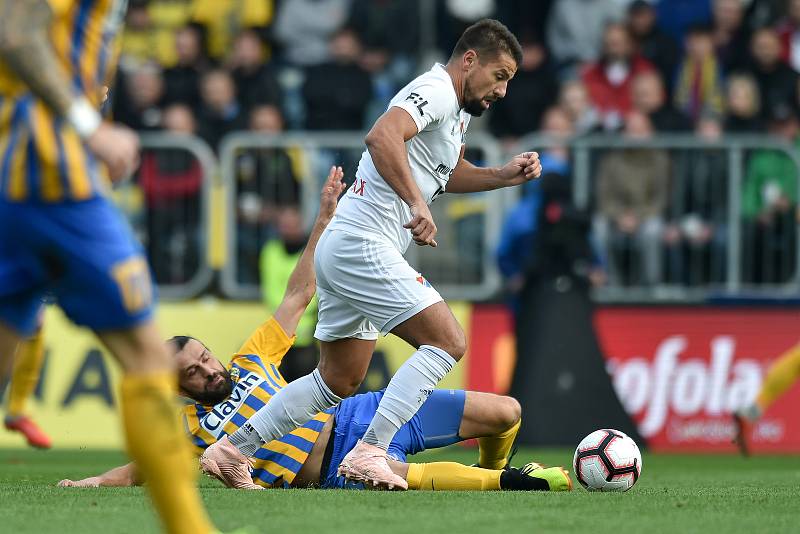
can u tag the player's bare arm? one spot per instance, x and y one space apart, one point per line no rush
122 476
26 48
467 178
302 283
386 144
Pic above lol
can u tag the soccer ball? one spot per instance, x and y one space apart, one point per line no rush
607 460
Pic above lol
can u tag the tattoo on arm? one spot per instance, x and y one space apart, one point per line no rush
26 48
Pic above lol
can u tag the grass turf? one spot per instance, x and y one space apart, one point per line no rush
720 494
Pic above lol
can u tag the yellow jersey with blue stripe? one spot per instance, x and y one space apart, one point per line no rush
42 158
255 370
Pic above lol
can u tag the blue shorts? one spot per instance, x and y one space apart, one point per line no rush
435 425
83 253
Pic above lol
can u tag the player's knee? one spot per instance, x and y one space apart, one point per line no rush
455 343
510 412
345 388
342 384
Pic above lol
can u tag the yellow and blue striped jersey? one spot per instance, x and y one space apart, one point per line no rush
41 157
255 370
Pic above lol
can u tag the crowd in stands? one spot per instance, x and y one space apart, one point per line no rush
636 68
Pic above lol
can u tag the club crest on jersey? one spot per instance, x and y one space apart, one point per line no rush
421 279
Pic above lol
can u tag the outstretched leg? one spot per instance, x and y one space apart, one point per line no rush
24 378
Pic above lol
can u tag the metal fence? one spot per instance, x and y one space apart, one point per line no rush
704 238
266 179
167 203
707 240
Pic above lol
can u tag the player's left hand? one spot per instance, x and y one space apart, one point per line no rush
330 194
522 168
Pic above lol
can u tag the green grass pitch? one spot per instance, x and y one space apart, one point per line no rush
709 494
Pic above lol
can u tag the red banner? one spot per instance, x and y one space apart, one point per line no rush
679 372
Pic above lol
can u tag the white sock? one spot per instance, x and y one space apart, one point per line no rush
409 388
290 408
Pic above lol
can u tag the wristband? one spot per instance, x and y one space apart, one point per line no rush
83 117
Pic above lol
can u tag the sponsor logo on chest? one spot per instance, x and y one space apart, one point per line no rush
218 417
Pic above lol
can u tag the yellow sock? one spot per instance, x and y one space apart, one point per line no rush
27 366
159 447
493 450
451 476
780 377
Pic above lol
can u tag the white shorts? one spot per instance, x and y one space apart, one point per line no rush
365 286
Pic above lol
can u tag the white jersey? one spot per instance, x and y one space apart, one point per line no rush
371 206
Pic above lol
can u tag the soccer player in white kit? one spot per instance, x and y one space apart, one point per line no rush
365 286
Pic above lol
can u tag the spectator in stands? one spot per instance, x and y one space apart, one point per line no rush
696 231
730 33
220 113
698 87
388 55
769 205
777 82
789 33
172 182
138 39
139 97
222 20
632 187
341 105
182 80
304 27
535 89
518 234
574 100
649 97
742 104
279 256
255 81
265 181
576 28
454 16
676 16
608 80
654 45
375 24
525 19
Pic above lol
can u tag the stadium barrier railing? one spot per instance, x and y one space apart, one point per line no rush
167 201
257 173
741 266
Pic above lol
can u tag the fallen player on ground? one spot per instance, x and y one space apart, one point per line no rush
224 397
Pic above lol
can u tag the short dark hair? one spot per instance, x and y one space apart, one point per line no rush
180 341
488 38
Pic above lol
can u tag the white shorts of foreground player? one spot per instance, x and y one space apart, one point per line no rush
365 286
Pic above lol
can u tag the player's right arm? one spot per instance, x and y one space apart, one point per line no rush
301 286
386 144
122 476
26 49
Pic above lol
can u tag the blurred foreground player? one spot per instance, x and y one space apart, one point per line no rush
60 234
781 376
309 456
28 362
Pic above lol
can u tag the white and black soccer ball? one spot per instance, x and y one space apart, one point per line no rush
607 460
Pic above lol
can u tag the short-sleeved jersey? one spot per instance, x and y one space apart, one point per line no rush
42 158
255 370
371 205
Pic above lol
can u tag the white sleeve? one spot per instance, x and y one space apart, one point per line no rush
427 102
